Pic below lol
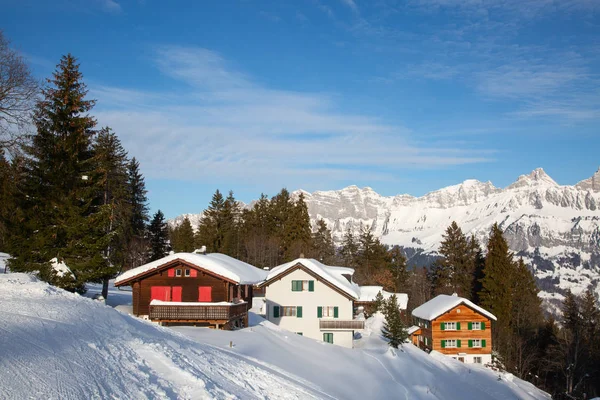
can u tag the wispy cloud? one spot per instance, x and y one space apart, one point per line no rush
225 124
111 6
351 4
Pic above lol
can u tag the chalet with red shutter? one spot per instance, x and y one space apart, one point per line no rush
454 326
202 289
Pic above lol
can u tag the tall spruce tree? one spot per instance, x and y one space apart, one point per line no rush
393 328
323 248
137 198
398 269
182 237
349 249
231 227
453 272
211 231
60 216
478 260
297 232
110 159
158 237
497 287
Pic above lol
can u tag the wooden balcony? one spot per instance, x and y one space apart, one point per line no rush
214 314
335 324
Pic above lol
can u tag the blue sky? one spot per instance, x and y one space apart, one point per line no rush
402 96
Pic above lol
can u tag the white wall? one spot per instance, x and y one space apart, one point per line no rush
470 358
279 293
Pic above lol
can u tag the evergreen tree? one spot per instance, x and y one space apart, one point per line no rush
349 249
110 175
379 302
478 261
398 268
7 198
158 237
211 229
453 272
497 287
372 261
182 237
393 329
60 216
260 245
323 246
231 227
137 198
297 232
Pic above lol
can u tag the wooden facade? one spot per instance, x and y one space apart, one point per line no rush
435 334
182 282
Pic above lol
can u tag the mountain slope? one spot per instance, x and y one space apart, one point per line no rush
59 345
555 228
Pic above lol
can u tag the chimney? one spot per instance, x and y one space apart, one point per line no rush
301 255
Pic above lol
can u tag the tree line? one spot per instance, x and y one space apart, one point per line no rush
69 190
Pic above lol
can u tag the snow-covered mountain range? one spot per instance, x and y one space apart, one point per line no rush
556 228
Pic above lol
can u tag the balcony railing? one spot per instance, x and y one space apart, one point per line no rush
167 312
341 324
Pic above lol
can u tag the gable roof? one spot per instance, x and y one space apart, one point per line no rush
368 294
333 275
443 303
220 264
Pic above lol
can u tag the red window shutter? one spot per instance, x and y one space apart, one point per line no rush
193 273
176 291
171 272
162 293
204 294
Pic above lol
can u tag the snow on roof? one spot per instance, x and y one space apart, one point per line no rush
61 268
368 293
443 303
331 274
413 329
220 264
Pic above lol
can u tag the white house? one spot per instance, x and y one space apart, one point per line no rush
312 299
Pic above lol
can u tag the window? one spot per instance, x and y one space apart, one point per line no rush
476 326
449 343
328 338
187 272
449 326
299 333
327 312
204 294
475 342
162 293
303 286
287 311
178 272
477 360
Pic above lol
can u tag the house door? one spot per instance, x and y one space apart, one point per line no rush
204 294
328 337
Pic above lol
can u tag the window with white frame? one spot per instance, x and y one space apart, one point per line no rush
477 360
178 272
187 272
450 343
475 342
303 286
450 326
288 311
328 311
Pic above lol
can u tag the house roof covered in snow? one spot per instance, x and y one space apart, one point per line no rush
219 264
412 329
333 275
444 303
368 293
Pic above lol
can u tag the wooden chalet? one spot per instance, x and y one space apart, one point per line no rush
212 290
454 326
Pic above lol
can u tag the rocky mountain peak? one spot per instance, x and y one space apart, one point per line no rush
537 177
591 184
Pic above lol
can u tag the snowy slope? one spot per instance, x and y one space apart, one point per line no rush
60 345
3 262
